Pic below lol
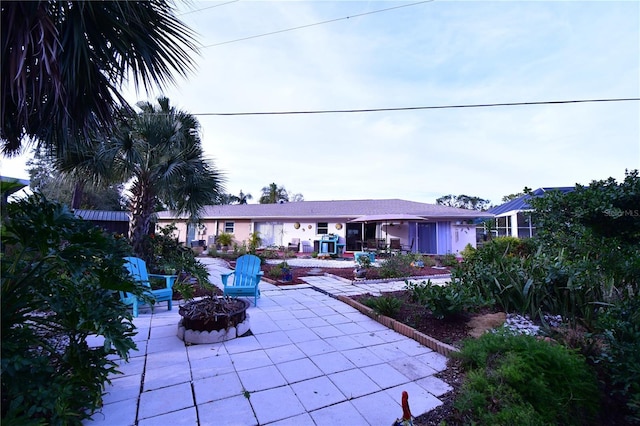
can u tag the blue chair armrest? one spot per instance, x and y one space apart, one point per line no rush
169 279
225 277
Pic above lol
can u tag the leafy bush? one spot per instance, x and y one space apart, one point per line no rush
167 253
621 357
444 300
384 305
519 379
537 284
468 252
396 266
278 271
429 261
59 276
448 260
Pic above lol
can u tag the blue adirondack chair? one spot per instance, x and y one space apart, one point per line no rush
246 278
138 270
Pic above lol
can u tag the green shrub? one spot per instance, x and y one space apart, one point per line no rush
621 356
429 261
396 266
384 305
538 283
519 379
254 242
59 278
168 253
468 252
448 260
444 300
270 253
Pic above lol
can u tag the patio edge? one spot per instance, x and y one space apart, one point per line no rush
405 330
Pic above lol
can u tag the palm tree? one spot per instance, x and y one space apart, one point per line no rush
159 152
244 198
63 63
226 199
273 193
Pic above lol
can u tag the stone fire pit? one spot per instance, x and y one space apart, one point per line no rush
213 320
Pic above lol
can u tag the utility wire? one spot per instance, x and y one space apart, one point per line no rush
205 8
341 111
317 23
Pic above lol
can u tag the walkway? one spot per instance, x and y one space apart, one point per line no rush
312 360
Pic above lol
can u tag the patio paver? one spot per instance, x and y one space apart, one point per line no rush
312 360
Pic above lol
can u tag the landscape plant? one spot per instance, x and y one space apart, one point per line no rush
254 241
384 305
60 278
583 265
396 266
224 239
446 300
620 326
519 379
169 255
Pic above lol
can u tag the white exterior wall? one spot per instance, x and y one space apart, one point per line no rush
307 232
461 235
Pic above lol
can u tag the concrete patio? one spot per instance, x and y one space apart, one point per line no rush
312 360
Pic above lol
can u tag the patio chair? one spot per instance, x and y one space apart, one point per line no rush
246 278
138 270
409 248
294 244
395 246
371 245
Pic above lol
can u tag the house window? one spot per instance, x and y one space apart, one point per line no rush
503 226
526 228
228 227
323 228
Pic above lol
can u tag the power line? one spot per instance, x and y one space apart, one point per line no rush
341 111
317 23
208 7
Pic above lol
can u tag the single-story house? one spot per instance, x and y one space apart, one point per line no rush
342 225
513 218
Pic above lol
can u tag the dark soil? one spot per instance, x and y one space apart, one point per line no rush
451 331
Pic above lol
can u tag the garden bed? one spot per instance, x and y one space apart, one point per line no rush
347 273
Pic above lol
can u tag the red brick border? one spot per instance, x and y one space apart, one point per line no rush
405 330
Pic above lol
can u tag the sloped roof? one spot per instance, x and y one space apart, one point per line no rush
338 209
102 215
521 203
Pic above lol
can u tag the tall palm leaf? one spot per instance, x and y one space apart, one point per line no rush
65 61
159 152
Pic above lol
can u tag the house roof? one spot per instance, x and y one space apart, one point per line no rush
338 209
521 203
102 215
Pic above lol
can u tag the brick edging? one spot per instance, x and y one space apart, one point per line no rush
405 330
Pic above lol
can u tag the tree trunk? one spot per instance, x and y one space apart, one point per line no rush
142 206
78 191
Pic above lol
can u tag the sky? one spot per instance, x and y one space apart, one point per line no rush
416 54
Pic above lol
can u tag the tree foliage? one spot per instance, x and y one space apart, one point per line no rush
159 152
600 222
273 194
512 197
45 178
59 275
463 202
241 198
63 64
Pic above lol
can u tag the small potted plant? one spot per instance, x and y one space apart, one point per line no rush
224 239
362 265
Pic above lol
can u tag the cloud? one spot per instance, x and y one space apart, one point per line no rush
437 53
